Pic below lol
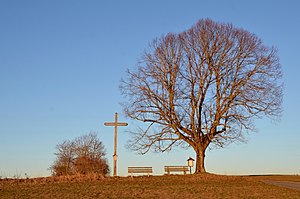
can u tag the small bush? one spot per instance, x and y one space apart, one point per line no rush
83 155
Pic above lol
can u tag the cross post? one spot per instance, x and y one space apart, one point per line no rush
115 124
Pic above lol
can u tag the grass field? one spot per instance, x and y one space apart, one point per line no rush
174 186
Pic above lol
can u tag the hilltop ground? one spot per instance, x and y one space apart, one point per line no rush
174 186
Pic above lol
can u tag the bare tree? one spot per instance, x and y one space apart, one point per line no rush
83 155
63 164
203 87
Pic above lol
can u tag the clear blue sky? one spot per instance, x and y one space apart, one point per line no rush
61 63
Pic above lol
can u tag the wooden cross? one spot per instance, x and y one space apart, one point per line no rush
115 124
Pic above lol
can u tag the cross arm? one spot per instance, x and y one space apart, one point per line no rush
115 124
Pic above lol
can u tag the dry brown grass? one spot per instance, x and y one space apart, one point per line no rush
176 186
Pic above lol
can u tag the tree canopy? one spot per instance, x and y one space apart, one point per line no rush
204 86
83 155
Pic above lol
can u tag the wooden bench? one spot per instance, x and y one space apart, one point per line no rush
169 169
145 170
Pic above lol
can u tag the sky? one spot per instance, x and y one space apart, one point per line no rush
61 63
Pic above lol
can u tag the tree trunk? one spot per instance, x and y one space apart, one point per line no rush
200 156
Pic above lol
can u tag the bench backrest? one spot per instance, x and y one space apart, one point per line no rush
176 168
139 169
